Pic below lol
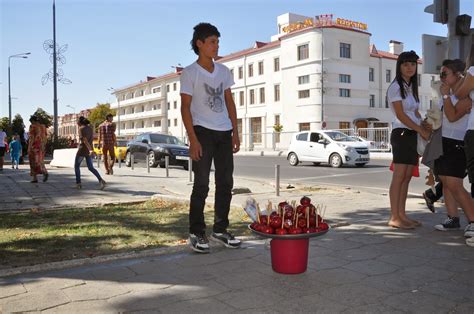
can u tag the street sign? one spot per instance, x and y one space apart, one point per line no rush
434 52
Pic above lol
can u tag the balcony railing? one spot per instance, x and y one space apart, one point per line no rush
141 115
137 100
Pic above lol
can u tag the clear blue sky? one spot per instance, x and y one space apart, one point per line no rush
113 43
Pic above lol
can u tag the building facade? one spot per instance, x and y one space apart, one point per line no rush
67 124
315 73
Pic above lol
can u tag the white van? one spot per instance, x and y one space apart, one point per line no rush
333 147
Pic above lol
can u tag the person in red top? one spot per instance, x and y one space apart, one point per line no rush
107 141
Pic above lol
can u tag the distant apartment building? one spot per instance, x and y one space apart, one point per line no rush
67 124
315 73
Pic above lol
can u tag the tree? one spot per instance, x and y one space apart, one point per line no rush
18 127
97 115
5 125
44 117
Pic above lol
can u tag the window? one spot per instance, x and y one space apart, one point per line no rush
345 50
252 96
256 129
174 86
250 70
386 102
143 108
277 119
142 124
168 105
344 78
303 93
303 79
169 122
372 101
260 68
303 52
344 92
241 98
344 125
233 97
158 106
175 122
156 90
388 76
419 79
175 104
123 126
241 72
132 125
276 92
276 64
371 74
239 128
157 123
141 92
262 95
305 127
168 88
302 136
232 73
133 110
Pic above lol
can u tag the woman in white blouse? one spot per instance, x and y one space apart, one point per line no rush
402 96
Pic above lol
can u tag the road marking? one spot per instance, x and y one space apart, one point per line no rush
337 175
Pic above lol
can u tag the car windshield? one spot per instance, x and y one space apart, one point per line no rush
165 139
340 137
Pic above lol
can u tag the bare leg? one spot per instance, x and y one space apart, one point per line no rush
398 178
455 186
449 200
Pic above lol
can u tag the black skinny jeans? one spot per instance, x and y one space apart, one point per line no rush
217 146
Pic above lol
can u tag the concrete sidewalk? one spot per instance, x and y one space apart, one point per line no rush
361 265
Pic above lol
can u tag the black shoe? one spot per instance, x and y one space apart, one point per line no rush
45 177
429 202
227 239
451 223
199 243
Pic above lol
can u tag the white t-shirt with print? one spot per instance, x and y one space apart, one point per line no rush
470 124
410 105
208 107
457 129
3 135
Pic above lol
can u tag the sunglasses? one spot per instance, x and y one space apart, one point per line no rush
443 75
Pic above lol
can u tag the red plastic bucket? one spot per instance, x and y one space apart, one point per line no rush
289 256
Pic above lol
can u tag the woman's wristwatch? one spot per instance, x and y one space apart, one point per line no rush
445 96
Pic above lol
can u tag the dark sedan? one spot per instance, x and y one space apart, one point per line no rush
156 146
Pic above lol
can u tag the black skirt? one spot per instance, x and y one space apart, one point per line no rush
453 161
404 142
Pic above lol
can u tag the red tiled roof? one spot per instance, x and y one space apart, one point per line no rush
384 54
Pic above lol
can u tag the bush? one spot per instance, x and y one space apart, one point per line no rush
51 145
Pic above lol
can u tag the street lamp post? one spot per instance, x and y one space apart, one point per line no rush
19 55
111 89
75 119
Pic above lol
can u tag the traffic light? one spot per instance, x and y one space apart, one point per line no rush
465 34
439 9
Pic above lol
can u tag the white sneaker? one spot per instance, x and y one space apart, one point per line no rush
469 230
470 242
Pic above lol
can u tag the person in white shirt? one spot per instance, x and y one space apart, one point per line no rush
210 118
402 96
451 166
467 90
3 137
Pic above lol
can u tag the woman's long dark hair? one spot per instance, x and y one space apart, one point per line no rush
407 56
83 121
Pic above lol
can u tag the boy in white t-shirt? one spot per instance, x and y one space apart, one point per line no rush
210 118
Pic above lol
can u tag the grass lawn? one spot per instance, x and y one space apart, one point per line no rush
49 236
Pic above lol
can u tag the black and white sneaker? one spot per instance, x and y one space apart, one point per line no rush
227 239
451 223
429 202
199 243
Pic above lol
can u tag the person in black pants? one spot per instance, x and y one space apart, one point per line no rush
432 197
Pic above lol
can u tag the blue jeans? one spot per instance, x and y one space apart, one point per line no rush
15 159
90 166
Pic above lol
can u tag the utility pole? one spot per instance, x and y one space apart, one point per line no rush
55 76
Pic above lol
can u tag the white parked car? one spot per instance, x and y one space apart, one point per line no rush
370 144
327 146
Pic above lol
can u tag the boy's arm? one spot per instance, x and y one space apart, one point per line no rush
466 86
195 149
229 102
100 136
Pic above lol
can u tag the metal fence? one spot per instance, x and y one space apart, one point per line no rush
378 138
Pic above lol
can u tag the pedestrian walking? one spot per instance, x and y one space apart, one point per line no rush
451 165
36 149
15 151
3 137
85 151
210 118
402 96
107 141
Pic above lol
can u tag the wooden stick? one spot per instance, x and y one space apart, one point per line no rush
258 213
307 217
317 220
324 213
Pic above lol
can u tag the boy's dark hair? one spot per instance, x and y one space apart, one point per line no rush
83 121
201 32
109 116
407 56
455 65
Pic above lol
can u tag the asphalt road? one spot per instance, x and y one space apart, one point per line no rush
374 177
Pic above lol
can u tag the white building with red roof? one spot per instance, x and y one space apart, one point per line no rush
315 72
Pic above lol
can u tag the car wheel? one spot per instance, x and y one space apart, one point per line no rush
293 159
128 159
335 160
151 159
316 163
360 165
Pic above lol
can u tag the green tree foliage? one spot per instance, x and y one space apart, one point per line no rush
97 115
18 127
44 117
5 125
51 145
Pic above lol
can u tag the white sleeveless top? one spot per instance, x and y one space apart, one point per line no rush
457 129
470 124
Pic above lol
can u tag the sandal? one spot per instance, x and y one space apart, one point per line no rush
34 181
45 177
